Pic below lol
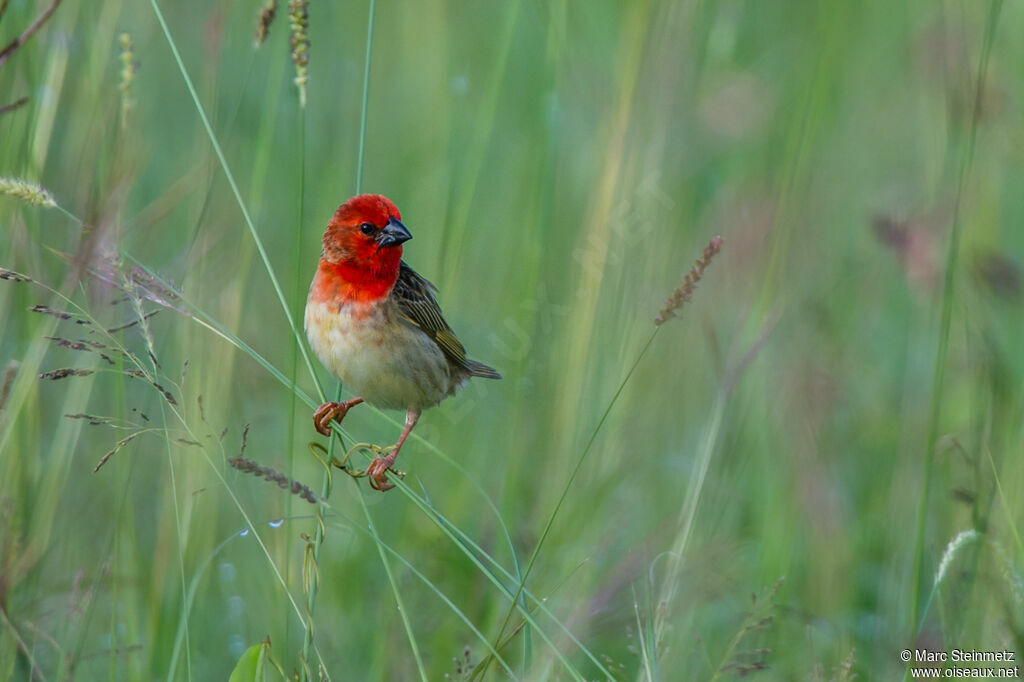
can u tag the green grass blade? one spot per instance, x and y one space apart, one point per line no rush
572 477
238 195
939 372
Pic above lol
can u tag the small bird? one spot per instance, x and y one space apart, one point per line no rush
375 324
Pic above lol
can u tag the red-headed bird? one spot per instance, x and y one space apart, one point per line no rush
375 324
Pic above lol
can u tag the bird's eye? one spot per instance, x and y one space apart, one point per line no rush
367 228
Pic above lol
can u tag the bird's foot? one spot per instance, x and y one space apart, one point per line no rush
332 411
377 479
378 468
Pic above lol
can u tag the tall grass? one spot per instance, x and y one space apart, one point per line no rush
593 515
949 277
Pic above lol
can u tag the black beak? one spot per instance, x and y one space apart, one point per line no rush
394 233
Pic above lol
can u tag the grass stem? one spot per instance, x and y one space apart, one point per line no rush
238 195
939 373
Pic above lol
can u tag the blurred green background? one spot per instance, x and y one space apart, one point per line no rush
560 165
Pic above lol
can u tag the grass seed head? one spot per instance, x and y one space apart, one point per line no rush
128 68
265 18
248 466
65 372
47 310
962 539
684 292
298 14
12 276
31 193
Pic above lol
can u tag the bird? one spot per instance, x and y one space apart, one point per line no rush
375 324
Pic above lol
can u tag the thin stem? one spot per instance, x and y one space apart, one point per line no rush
115 343
9 49
394 588
447 528
296 288
569 481
1005 506
238 195
455 609
642 636
939 373
366 100
181 557
34 668
313 586
465 543
688 514
14 105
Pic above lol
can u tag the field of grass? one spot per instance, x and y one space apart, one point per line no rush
816 465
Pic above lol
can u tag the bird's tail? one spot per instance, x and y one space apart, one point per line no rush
479 369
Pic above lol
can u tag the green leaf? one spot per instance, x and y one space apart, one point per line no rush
250 667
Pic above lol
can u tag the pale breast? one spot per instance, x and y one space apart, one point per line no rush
377 355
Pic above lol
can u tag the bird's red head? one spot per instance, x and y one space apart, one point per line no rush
363 243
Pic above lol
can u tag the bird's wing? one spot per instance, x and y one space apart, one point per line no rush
415 298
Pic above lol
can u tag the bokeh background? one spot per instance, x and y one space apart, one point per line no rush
560 166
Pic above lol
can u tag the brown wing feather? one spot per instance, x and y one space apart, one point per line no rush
415 298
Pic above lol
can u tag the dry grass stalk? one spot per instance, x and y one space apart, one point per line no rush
12 47
250 467
120 444
20 40
266 17
294 487
91 418
13 276
47 310
65 372
684 292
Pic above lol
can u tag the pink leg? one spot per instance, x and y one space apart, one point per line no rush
379 466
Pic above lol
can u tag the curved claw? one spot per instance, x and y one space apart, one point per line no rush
328 412
322 417
375 473
377 469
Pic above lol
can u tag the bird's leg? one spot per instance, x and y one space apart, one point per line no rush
379 466
329 412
